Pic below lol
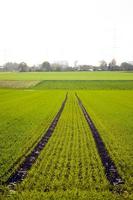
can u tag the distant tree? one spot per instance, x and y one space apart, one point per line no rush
33 68
9 66
23 67
69 68
112 64
45 66
126 66
75 63
56 66
103 65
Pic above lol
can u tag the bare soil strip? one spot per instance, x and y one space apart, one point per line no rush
18 84
23 169
110 169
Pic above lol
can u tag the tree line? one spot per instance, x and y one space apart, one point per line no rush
112 66
47 66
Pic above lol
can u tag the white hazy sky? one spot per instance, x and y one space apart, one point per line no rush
85 30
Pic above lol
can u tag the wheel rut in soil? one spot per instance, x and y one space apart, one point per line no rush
30 159
110 169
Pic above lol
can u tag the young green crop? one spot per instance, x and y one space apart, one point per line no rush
112 112
85 84
25 116
70 160
69 167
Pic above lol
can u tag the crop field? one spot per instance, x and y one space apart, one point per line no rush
66 76
85 85
66 136
113 116
21 124
17 84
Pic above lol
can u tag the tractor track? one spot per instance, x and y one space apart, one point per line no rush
30 159
110 169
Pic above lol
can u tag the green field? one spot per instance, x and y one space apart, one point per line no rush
70 150
113 116
86 85
66 76
69 166
21 124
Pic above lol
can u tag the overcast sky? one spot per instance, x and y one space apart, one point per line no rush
85 30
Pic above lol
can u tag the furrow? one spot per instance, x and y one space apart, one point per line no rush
110 169
26 165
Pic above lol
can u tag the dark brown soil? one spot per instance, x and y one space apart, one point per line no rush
110 169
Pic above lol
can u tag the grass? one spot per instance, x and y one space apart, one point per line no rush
66 76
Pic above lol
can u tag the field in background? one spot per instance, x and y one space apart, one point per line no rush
66 76
67 80
69 84
86 85
17 84
69 167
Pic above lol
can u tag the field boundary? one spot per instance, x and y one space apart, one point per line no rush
110 169
30 159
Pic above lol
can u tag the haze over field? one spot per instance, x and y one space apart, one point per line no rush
83 30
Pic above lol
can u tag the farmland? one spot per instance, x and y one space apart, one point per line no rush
17 84
113 116
69 166
21 125
86 85
66 76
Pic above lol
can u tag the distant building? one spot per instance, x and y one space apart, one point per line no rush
86 67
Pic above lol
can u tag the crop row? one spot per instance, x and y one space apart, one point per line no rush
25 116
112 113
70 160
109 166
31 158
